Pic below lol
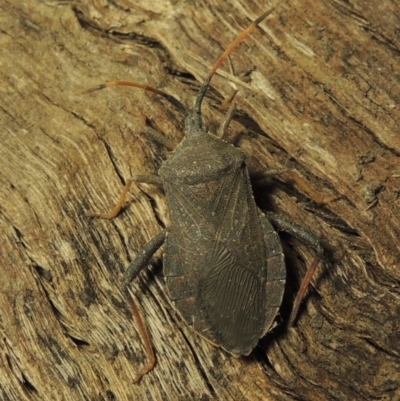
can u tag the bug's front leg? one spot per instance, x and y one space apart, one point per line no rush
283 224
133 270
147 179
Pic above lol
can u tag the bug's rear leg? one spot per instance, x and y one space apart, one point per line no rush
147 179
133 270
307 237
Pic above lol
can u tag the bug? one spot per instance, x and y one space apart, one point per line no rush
223 260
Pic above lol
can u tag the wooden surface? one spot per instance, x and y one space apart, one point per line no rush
319 85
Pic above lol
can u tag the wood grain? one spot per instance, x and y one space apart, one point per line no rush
319 85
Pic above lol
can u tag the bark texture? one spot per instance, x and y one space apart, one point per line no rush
319 92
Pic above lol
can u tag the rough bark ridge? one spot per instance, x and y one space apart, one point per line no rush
319 85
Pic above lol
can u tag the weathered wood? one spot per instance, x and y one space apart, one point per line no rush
318 91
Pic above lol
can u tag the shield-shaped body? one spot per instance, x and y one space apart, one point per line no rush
223 261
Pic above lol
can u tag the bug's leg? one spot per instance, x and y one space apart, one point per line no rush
152 133
283 224
258 176
159 138
148 179
226 103
291 175
311 192
229 114
133 270
225 123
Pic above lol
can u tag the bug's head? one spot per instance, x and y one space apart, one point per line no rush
193 119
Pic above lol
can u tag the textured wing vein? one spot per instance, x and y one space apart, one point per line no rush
233 298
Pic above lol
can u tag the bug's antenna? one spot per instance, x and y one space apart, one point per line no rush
224 56
166 96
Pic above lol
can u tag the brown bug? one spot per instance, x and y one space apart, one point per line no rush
223 260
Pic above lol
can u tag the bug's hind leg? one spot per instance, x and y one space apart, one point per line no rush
133 270
307 237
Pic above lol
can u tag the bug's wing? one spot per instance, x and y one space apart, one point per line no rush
216 260
233 298
276 273
232 291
